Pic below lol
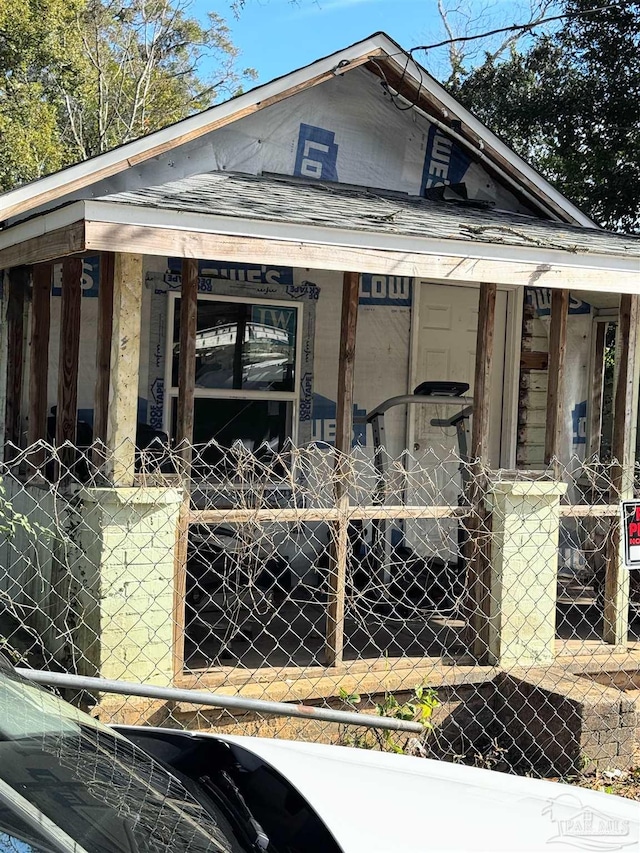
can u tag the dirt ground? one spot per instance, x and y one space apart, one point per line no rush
619 782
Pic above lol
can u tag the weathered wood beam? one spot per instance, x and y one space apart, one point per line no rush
483 370
67 403
19 278
68 352
597 392
555 384
46 247
346 362
344 430
39 361
479 565
438 266
125 369
625 412
103 352
187 358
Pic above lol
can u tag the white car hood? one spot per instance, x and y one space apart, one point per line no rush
378 803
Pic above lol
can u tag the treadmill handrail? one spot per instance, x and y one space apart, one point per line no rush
408 399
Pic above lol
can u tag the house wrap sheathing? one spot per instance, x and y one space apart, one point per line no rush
349 130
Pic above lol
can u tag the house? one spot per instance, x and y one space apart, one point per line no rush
366 234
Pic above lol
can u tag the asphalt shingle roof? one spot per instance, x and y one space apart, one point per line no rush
333 205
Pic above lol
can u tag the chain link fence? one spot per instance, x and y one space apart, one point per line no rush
491 605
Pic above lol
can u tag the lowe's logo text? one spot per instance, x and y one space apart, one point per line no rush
208 270
385 290
317 154
445 162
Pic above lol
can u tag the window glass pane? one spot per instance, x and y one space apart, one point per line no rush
241 346
253 422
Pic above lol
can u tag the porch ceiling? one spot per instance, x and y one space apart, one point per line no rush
293 222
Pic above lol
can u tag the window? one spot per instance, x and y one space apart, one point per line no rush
246 371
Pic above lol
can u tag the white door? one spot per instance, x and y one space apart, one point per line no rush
447 332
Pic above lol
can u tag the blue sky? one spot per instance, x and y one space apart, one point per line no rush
277 36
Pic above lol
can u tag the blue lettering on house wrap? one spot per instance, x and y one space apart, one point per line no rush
317 154
579 419
385 290
444 162
251 274
90 278
540 298
324 422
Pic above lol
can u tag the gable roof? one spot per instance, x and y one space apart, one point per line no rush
382 57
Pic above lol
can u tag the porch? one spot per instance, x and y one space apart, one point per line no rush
343 565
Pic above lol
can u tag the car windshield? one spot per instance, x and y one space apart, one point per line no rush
68 783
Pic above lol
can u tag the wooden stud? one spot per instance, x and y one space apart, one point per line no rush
482 375
67 403
625 410
597 392
344 431
103 353
124 376
346 362
555 383
39 361
476 550
187 360
18 284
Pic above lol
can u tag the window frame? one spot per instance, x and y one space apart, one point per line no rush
171 391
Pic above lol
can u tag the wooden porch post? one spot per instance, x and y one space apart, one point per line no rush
18 284
187 360
39 361
125 368
344 430
103 354
67 403
184 440
479 454
596 395
625 411
555 381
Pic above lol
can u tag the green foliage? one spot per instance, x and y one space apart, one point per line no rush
570 105
349 698
33 44
419 708
78 77
10 520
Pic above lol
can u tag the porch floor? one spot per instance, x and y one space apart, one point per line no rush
292 635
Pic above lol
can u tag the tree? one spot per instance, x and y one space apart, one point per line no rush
78 77
139 61
570 105
33 35
464 23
